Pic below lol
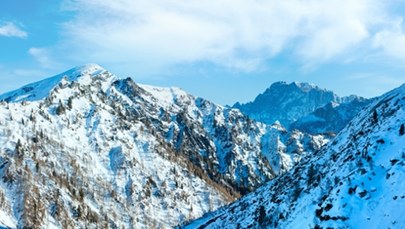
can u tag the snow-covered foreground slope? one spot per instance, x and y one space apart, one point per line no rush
85 148
356 181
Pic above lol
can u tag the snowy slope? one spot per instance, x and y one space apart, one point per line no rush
356 181
87 166
85 148
227 145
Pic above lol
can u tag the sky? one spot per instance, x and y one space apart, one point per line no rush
225 50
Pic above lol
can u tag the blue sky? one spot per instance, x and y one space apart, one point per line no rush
224 50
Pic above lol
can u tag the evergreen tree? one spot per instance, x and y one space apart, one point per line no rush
60 109
262 215
69 103
375 117
19 150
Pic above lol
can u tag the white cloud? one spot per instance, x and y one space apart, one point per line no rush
9 29
392 40
42 56
372 83
238 34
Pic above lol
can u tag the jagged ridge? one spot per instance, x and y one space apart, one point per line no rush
91 149
296 105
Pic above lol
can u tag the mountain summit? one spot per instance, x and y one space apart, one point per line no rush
41 89
302 106
286 102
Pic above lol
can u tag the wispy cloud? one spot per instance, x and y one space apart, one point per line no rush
9 29
372 84
237 34
42 56
16 77
392 39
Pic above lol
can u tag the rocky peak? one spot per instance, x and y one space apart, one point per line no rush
286 102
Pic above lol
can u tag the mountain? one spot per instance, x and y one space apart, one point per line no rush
286 102
355 181
331 118
295 103
87 149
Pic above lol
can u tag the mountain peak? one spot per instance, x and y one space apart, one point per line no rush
306 87
41 89
287 102
90 68
303 86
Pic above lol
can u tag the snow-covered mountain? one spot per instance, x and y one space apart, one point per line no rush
355 181
295 103
86 148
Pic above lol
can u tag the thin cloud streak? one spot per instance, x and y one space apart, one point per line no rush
43 57
392 40
9 29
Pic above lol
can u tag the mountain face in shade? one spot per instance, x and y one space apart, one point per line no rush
88 149
331 118
286 103
303 106
355 181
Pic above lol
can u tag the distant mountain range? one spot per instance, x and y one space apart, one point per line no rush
303 106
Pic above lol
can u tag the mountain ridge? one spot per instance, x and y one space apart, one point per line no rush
97 150
289 102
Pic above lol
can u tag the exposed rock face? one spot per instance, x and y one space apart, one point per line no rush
331 118
303 106
286 103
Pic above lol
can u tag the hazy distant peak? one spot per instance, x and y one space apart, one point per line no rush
303 86
287 102
306 87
